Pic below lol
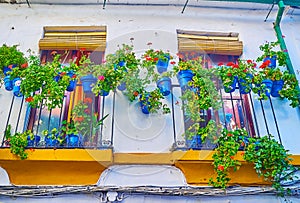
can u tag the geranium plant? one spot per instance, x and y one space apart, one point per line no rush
45 83
269 52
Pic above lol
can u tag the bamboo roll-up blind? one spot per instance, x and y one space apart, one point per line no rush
89 38
210 42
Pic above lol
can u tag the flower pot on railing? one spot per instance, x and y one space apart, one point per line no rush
51 141
268 86
244 86
232 86
276 87
164 85
8 83
195 142
162 65
87 82
72 83
122 86
145 103
72 140
272 60
17 87
33 142
184 76
7 69
103 93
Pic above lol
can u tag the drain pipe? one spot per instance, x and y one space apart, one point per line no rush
281 40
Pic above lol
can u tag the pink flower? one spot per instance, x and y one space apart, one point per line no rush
101 77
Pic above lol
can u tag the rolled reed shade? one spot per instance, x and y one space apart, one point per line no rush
210 42
89 38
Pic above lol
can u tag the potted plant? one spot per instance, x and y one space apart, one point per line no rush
158 58
18 142
70 134
272 55
52 138
184 71
151 102
289 89
46 83
86 71
232 74
86 121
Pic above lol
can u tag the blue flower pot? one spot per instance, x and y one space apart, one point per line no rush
162 65
232 87
276 87
272 61
17 87
245 87
7 69
103 93
34 142
268 86
164 85
195 142
72 84
184 76
121 63
87 82
145 104
122 86
8 83
51 142
72 140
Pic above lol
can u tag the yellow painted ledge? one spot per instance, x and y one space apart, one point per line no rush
56 167
84 166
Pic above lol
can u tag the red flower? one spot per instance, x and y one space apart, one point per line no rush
82 49
243 144
62 74
221 168
232 157
229 74
235 66
245 71
262 66
87 111
88 100
32 150
10 67
254 65
220 64
74 76
229 135
155 59
24 65
148 58
79 119
135 93
172 62
230 64
267 62
243 153
249 61
29 99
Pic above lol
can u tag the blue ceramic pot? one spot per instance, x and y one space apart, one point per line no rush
276 87
72 83
162 65
272 61
145 104
164 85
184 76
232 87
245 87
87 82
34 142
103 93
8 83
195 142
268 86
17 87
7 69
72 140
122 86
51 142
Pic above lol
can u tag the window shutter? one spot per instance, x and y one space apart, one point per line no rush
210 42
89 38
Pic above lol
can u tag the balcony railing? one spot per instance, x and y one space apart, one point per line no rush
125 124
